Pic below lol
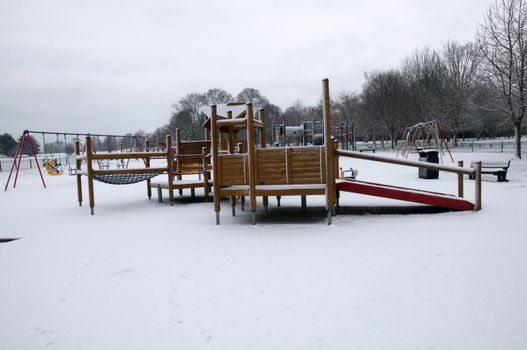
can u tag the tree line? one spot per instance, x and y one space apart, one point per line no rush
475 89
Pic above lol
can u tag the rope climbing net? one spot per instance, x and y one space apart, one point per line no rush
124 179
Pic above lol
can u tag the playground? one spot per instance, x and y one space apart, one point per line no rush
140 270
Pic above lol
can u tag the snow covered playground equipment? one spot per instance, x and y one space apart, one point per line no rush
123 176
311 170
424 136
55 156
240 168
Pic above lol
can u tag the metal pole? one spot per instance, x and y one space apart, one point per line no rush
20 158
14 162
33 150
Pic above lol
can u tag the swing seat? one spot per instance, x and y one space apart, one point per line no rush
55 172
52 168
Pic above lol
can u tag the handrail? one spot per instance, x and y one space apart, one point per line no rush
231 122
460 171
127 155
238 122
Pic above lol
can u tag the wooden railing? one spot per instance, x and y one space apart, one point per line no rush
459 170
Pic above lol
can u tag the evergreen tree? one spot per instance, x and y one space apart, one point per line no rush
7 144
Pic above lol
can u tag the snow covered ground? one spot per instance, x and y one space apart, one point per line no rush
146 275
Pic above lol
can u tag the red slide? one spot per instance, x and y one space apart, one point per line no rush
405 194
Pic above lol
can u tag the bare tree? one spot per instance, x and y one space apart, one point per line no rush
502 43
295 114
253 96
424 74
460 64
191 105
348 107
217 96
384 95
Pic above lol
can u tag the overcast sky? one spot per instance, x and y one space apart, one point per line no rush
117 66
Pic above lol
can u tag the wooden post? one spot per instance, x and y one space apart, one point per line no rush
250 152
147 164
207 134
460 180
231 148
178 162
224 145
477 205
239 148
215 162
206 186
335 161
261 116
170 169
89 167
232 138
78 164
328 144
263 144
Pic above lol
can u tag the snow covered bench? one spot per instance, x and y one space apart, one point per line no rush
366 148
497 168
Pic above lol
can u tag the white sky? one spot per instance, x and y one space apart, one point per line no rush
117 66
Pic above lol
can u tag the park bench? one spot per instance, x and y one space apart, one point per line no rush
366 148
498 168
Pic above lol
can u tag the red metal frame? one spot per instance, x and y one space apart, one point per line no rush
18 156
425 132
139 148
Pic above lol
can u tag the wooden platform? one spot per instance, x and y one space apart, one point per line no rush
405 194
178 184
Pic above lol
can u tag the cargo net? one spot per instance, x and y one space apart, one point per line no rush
124 179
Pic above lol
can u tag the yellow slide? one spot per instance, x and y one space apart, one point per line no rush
52 168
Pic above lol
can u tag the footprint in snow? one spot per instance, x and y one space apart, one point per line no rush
121 272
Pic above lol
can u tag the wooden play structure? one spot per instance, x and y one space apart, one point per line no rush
311 170
191 158
424 136
119 176
264 172
250 169
310 132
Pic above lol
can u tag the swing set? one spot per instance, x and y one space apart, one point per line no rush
423 136
52 153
